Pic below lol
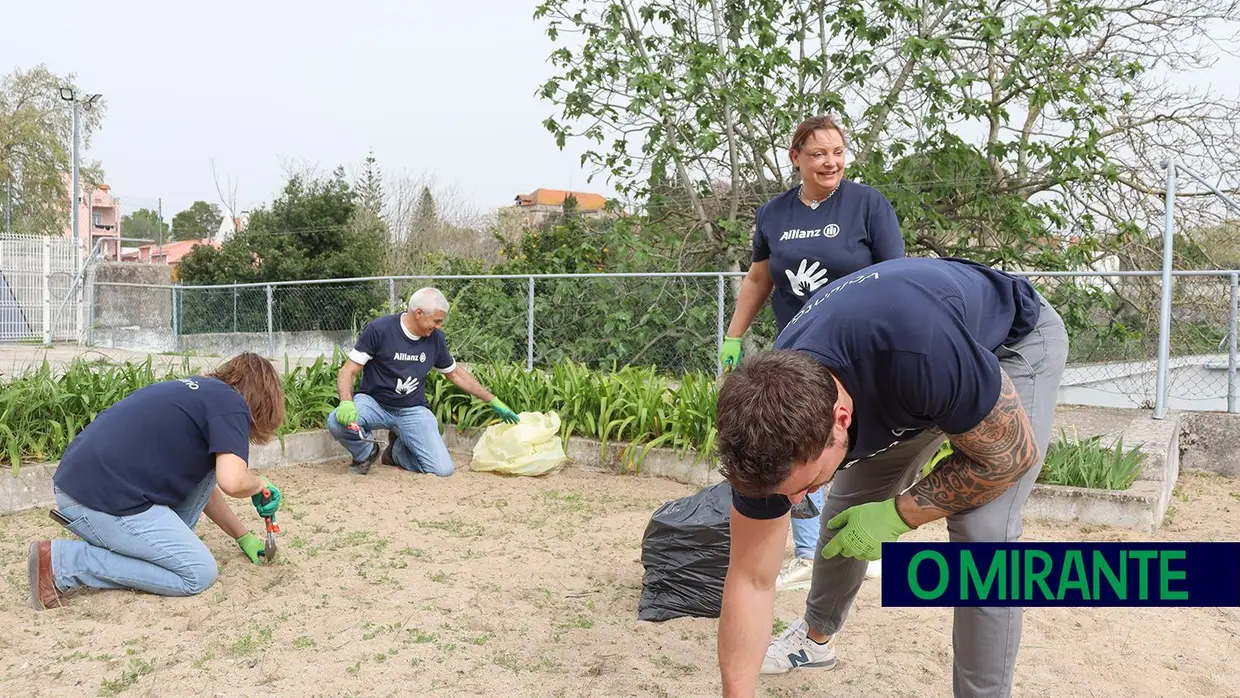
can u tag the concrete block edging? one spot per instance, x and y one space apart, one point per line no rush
1141 507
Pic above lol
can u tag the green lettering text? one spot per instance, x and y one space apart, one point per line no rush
1073 576
944 577
1166 574
1037 577
1143 578
1102 568
970 577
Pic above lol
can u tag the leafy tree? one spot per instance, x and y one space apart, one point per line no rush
200 220
36 146
144 224
1026 120
311 231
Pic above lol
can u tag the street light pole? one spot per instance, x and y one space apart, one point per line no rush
77 190
70 95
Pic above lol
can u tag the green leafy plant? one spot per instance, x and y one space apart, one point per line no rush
42 411
633 405
309 394
1086 462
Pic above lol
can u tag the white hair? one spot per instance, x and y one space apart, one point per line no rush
428 300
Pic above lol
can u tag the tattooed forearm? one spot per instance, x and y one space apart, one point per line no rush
986 461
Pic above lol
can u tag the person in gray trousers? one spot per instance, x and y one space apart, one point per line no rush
860 390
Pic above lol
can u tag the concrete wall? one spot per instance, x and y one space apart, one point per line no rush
128 317
1210 441
290 343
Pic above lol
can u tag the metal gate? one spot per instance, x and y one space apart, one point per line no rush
36 276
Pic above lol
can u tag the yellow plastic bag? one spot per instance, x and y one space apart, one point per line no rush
532 447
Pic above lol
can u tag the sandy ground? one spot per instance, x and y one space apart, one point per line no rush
403 585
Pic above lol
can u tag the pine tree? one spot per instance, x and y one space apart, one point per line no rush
426 214
370 187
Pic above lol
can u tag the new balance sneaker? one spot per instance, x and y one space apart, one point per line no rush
794 650
796 574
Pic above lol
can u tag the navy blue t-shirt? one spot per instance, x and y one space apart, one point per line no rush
912 340
396 362
808 248
155 445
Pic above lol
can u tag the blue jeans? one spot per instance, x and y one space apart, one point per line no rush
416 443
156 551
805 531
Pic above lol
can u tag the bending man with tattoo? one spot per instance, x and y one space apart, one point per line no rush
861 389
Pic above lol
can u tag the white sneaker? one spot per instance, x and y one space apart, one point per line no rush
794 650
874 570
796 574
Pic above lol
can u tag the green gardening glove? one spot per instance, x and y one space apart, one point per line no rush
252 546
346 413
865 528
730 353
503 411
268 510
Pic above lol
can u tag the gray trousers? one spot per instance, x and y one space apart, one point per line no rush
985 640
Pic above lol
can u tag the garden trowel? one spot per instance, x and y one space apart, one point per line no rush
269 549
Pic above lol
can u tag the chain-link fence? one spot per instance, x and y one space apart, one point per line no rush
674 322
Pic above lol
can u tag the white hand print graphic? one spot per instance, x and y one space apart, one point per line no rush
809 278
406 386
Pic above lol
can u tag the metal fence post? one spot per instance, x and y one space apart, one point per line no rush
391 294
529 317
1231 344
88 332
47 292
271 337
1164 313
176 319
719 324
234 308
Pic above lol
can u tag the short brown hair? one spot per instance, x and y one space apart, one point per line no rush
261 387
774 412
817 123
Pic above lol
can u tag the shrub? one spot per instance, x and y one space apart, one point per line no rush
1087 463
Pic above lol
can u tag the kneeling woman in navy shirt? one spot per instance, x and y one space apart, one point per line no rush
133 483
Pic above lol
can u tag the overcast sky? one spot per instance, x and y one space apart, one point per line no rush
434 88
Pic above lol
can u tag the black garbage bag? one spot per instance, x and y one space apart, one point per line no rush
685 555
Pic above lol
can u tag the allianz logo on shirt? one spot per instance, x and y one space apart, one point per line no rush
828 231
402 356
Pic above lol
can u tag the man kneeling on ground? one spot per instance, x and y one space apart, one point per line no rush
395 353
133 483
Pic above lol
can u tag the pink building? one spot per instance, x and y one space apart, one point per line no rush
170 254
99 218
